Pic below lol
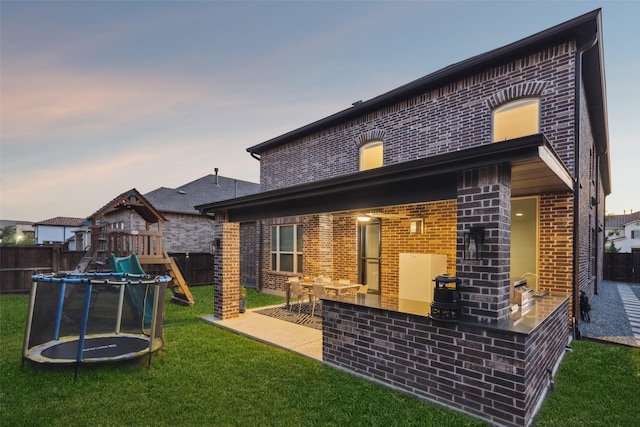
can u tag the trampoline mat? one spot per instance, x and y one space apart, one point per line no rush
98 348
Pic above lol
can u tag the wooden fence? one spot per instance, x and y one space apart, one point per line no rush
19 262
622 267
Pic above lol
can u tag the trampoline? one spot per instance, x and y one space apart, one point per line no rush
77 318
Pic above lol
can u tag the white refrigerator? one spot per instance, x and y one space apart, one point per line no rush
417 272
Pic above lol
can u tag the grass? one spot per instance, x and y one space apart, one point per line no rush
206 376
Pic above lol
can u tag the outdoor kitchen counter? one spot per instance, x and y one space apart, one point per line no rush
519 321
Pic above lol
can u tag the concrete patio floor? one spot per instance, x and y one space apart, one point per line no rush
279 333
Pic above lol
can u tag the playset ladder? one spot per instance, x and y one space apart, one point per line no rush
181 292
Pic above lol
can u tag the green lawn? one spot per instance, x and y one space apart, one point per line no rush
206 376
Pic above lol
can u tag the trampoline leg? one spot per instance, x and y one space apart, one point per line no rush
27 328
56 334
83 325
152 335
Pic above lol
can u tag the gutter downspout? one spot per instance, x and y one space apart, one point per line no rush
254 155
576 190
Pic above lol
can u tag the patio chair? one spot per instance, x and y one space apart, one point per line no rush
318 293
296 290
363 289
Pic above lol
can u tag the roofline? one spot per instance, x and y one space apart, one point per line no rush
579 28
344 191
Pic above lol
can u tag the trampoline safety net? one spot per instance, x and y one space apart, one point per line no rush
110 317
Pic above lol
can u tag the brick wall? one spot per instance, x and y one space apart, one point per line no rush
331 243
445 119
587 216
226 271
249 250
180 233
187 233
556 242
484 200
496 375
439 237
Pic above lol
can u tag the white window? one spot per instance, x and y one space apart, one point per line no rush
635 234
286 248
371 155
516 119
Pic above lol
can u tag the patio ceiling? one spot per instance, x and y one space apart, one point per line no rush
536 169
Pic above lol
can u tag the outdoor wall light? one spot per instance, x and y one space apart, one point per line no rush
473 243
363 218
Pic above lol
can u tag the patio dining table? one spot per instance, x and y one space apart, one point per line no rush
336 288
341 289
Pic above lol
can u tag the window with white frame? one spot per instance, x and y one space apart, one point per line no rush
515 119
286 248
635 234
371 155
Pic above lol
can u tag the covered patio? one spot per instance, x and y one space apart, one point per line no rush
491 361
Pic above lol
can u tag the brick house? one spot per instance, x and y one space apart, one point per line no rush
500 162
185 229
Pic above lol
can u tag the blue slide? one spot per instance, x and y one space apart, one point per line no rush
136 294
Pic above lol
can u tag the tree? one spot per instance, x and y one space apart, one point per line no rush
612 248
9 235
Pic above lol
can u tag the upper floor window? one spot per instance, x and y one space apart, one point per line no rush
515 119
371 155
286 248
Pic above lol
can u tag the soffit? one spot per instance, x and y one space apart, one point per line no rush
535 169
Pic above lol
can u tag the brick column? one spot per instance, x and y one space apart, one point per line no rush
226 272
318 243
484 200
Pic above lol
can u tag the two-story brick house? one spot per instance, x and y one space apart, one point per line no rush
500 162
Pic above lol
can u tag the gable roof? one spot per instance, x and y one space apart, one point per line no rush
62 221
131 199
208 189
613 221
585 29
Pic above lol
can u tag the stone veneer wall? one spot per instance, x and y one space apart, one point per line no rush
496 375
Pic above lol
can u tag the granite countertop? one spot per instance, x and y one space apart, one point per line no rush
520 321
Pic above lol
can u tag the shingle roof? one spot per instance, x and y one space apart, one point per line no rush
207 189
62 221
614 221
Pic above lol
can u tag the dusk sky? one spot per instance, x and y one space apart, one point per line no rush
101 97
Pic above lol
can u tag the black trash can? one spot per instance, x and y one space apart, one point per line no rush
446 304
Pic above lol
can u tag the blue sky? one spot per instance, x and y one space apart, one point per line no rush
100 97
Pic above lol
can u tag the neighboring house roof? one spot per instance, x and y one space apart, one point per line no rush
614 221
208 189
585 29
9 223
131 199
62 221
